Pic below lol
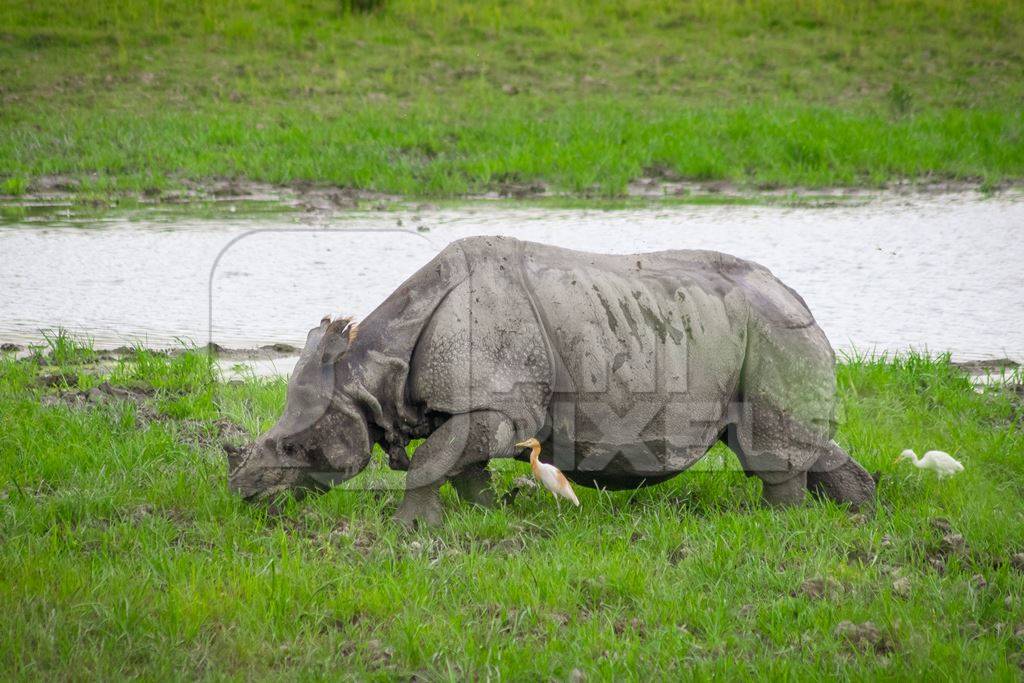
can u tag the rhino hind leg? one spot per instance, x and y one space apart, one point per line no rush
837 476
791 453
781 485
783 493
832 474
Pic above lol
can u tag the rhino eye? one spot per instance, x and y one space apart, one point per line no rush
289 449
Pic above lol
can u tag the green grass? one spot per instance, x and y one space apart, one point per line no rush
123 553
443 99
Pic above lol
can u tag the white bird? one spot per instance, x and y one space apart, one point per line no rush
549 475
939 462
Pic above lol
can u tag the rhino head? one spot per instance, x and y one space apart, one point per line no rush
322 438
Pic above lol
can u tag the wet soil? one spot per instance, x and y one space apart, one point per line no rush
656 182
61 389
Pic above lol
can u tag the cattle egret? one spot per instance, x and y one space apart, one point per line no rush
549 475
942 464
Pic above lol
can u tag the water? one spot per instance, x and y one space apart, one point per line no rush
937 273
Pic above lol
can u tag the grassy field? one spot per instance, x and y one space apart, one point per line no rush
123 553
427 98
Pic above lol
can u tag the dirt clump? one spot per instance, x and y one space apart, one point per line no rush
818 588
864 637
58 379
953 544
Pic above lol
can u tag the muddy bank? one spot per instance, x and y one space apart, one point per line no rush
270 360
266 352
656 183
981 367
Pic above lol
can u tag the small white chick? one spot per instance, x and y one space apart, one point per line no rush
549 475
941 463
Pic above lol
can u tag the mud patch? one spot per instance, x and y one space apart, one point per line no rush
657 180
340 536
104 393
222 433
680 553
59 379
864 637
1017 562
143 512
820 588
303 195
521 189
978 367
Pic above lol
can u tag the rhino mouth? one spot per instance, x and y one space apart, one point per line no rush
269 493
266 484
255 481
326 479
298 482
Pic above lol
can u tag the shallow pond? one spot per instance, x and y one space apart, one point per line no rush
938 273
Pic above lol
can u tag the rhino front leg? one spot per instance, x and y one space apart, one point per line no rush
420 506
398 459
453 450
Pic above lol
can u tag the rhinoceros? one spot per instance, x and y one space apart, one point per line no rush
627 368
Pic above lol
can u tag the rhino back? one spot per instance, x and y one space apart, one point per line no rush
649 350
631 361
577 340
663 322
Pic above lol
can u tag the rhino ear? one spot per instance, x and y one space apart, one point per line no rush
315 335
335 340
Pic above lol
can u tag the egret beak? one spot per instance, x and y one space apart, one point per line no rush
529 443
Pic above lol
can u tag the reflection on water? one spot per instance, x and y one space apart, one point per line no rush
942 273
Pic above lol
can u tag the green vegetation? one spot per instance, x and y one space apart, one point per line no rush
122 552
446 98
